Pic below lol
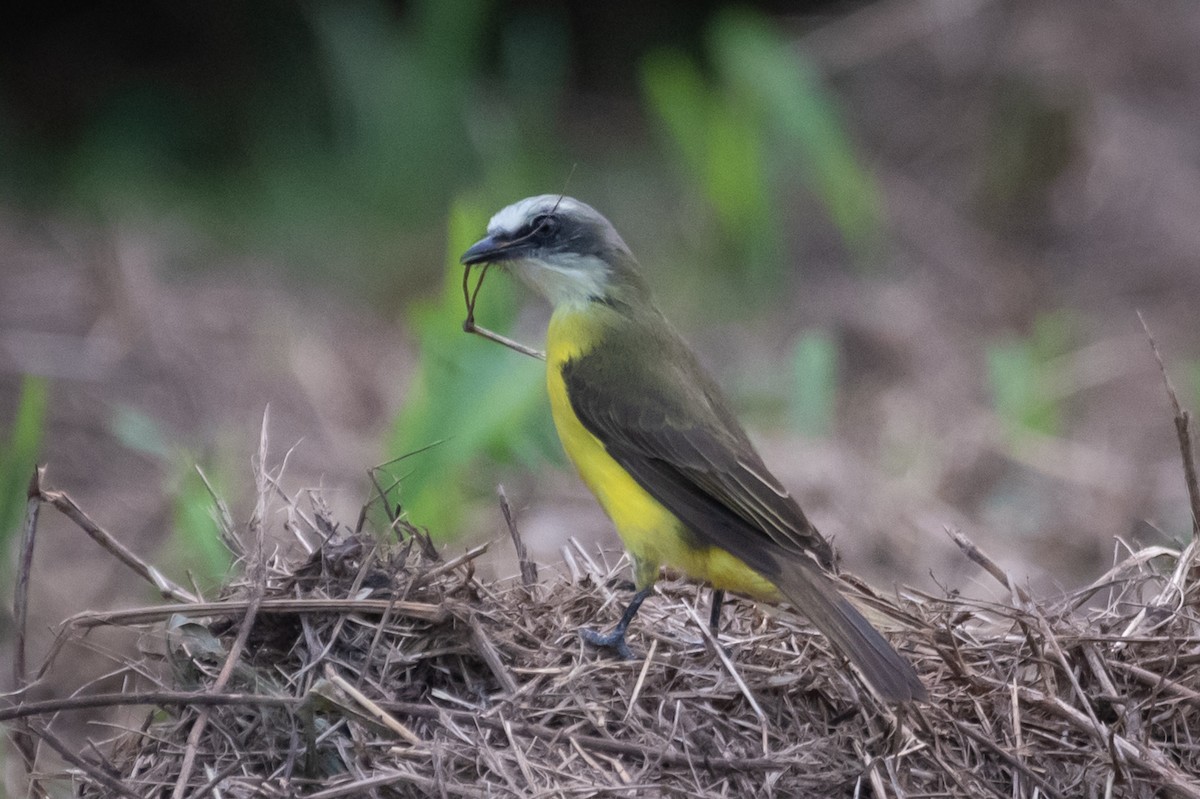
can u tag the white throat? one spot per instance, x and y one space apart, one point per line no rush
567 280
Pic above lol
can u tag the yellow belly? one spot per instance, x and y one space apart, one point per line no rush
653 535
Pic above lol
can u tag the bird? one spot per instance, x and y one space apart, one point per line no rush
656 441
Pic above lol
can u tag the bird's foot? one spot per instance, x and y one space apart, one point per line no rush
614 641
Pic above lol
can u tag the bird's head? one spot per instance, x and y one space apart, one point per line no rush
562 248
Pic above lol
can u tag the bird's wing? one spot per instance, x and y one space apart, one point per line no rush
675 435
690 454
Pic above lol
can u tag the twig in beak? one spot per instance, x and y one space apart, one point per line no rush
469 325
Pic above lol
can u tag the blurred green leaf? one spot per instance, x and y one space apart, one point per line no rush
676 92
1013 376
735 174
1031 138
813 398
785 93
195 534
741 137
195 544
1021 378
398 96
18 457
468 396
721 149
1053 334
140 432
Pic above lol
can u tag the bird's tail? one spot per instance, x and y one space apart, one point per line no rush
815 595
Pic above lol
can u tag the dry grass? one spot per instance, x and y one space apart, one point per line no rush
364 670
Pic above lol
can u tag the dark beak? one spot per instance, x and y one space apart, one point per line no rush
488 250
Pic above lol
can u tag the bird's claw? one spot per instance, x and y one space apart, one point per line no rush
614 641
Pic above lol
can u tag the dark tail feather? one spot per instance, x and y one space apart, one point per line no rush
814 595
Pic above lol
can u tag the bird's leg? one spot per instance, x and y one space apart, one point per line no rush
615 640
714 617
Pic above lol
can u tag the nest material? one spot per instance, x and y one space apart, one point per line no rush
367 671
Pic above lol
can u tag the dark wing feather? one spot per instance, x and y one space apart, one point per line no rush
677 438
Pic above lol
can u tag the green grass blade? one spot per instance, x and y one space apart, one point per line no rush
19 455
786 93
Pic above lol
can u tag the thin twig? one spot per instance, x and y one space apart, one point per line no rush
293 505
257 570
978 556
24 567
1182 432
733 672
165 586
201 721
1158 682
641 680
224 517
22 737
491 656
336 633
469 325
384 620
451 564
376 712
381 779
93 771
424 611
45 707
512 344
216 779
529 575
1048 636
1155 763
1015 762
393 514
611 745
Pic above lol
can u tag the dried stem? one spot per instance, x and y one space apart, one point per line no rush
978 556
23 735
150 574
1182 433
469 325
529 574
1033 697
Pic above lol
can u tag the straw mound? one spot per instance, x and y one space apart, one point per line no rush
419 679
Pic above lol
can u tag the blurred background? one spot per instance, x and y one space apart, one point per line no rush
910 239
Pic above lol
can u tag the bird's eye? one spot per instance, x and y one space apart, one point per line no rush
544 224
